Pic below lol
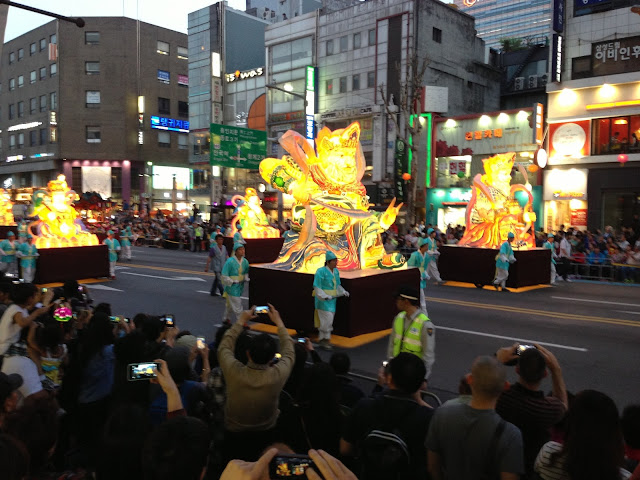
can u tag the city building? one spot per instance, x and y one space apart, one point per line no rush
107 105
522 23
278 10
330 68
223 42
525 73
594 118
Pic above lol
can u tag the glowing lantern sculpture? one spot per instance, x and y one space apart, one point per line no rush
58 224
331 210
493 210
251 217
6 208
622 159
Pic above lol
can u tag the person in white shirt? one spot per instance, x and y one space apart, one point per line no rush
564 256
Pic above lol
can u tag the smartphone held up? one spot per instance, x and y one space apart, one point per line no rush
142 371
287 466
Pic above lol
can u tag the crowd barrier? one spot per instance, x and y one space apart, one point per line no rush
607 271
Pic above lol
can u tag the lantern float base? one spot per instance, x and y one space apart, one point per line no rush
370 308
72 263
258 250
478 266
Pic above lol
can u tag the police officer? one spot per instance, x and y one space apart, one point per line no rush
412 331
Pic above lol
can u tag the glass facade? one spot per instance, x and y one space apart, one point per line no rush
496 20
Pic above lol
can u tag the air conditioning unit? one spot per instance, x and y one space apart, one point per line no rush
533 81
542 80
518 83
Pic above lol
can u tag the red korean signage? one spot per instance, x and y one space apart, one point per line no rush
579 217
570 139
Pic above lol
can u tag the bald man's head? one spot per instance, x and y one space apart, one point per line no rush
488 377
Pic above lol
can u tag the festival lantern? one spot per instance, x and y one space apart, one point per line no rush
622 159
406 176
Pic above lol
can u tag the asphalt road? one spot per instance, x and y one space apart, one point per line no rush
593 329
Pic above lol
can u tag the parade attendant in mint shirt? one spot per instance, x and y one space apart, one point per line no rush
432 257
235 273
28 254
114 247
326 289
419 259
550 244
8 263
503 259
125 239
237 237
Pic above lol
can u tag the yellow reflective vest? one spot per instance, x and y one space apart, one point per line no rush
408 340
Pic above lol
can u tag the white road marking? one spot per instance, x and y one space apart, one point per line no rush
97 286
520 340
118 267
197 279
627 311
598 301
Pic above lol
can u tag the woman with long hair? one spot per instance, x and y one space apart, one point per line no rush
593 448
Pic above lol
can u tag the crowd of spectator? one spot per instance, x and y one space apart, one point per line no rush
244 404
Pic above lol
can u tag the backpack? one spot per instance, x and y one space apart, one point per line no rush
384 455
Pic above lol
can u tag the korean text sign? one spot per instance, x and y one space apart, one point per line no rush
237 147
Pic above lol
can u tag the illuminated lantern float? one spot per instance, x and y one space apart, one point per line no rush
330 214
67 250
492 214
58 224
250 216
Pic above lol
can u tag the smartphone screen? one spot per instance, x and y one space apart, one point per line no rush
286 466
44 289
200 342
302 340
262 309
142 371
168 320
114 319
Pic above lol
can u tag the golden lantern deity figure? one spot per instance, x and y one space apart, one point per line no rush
493 211
6 208
251 217
331 209
58 224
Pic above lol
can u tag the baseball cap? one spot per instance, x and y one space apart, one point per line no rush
9 384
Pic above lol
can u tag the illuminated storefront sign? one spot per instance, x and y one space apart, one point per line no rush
170 124
615 56
15 158
238 75
556 61
163 177
164 76
41 155
569 139
183 80
538 123
310 109
565 184
480 134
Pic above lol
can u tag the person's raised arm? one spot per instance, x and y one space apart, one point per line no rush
286 343
226 356
559 388
164 379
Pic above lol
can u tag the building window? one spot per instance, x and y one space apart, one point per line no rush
329 47
43 43
12 142
12 111
356 40
20 54
344 43
53 69
93 135
164 106
162 48
92 38
437 35
372 36
183 109
164 139
343 84
20 81
92 98
53 39
183 142
53 100
371 79
43 103
355 83
329 87
43 73
43 136
33 105
12 57
33 48
33 138
32 77
615 135
20 140
183 53
20 109
12 84
581 67
92 68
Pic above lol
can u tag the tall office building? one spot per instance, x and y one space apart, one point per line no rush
107 105
497 20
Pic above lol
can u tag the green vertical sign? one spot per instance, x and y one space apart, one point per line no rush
237 147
